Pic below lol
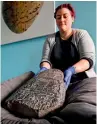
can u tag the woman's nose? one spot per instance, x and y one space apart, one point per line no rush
62 18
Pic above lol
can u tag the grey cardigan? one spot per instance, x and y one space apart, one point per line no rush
83 42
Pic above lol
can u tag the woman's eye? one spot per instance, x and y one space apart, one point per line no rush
65 16
58 17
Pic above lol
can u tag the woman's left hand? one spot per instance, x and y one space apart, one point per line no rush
68 74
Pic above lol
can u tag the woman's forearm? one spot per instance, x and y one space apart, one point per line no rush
45 64
81 66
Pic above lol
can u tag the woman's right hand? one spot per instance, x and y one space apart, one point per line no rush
41 70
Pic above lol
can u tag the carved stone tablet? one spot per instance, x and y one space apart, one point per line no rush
40 95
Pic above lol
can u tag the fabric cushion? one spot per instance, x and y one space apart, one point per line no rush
80 102
79 113
7 88
82 91
33 121
40 95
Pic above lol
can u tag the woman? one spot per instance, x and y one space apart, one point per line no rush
70 50
73 52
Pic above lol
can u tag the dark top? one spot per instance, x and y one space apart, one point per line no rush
64 55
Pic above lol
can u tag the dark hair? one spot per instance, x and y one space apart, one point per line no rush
68 6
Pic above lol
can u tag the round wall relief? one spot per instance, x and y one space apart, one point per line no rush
20 15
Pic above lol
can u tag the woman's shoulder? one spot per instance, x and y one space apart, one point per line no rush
78 31
51 38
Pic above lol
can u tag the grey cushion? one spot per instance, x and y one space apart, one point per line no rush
80 102
82 91
40 95
32 121
7 88
79 113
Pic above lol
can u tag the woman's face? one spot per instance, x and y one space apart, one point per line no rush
64 19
